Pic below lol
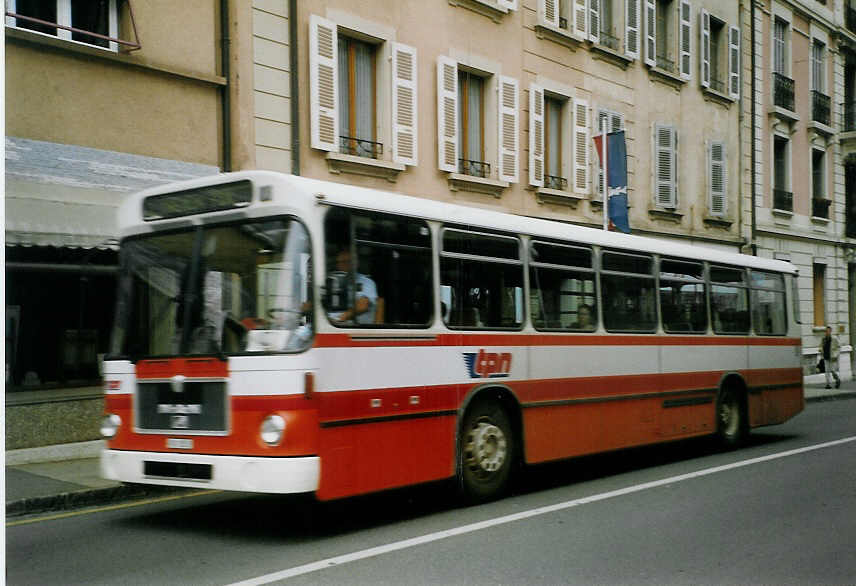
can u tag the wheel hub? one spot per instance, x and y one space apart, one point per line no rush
487 448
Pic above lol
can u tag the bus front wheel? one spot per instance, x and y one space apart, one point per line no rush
732 425
487 451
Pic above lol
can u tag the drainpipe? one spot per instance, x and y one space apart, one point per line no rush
295 87
226 101
752 154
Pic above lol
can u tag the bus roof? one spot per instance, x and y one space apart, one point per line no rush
302 194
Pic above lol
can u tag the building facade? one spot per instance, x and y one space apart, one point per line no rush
802 160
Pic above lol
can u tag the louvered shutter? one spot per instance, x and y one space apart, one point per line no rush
580 18
631 32
704 52
594 22
734 62
651 32
536 135
686 40
548 12
404 116
447 114
717 179
508 129
665 149
323 84
581 148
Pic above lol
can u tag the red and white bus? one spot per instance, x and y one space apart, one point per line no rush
281 334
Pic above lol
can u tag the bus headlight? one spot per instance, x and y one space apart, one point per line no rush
110 425
272 429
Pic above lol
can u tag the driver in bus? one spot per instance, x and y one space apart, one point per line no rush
365 300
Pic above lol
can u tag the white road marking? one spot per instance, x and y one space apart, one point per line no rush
437 536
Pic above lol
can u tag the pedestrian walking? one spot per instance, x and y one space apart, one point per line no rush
829 350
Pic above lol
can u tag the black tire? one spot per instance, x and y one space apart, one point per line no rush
486 452
732 422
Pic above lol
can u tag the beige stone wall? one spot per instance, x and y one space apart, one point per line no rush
161 101
509 44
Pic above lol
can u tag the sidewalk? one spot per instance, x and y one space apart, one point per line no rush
67 476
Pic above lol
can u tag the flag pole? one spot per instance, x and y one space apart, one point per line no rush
604 140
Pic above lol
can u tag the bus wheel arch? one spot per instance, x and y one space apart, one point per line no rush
489 443
732 412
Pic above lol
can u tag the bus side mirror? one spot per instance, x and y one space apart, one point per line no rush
336 291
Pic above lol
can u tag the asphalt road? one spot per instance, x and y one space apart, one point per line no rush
780 511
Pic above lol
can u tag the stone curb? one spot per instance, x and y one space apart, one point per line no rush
86 498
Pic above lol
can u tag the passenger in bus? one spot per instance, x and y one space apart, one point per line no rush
584 318
365 297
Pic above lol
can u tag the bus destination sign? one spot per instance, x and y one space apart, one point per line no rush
213 198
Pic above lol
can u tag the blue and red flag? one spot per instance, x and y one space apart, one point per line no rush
616 151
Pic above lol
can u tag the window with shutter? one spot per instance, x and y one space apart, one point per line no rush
665 148
548 13
323 84
447 114
357 81
686 40
780 52
508 129
471 124
580 18
554 139
595 20
631 30
404 149
581 148
717 178
536 135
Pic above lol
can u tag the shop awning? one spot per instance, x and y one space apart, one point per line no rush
67 195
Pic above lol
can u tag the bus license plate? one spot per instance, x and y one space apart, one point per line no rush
179 443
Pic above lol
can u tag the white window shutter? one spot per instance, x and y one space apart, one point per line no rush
323 84
631 31
651 32
686 39
509 140
717 177
734 62
447 114
614 123
704 52
594 22
665 162
404 115
580 18
536 135
548 12
581 149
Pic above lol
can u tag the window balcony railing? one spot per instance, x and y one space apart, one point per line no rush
820 107
820 207
665 64
783 200
850 18
783 91
554 182
474 168
849 111
360 147
607 39
563 22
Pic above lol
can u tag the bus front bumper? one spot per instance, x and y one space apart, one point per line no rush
241 473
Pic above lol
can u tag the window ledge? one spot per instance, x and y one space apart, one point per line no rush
546 195
782 213
784 114
604 53
820 221
461 182
847 137
667 77
558 35
718 222
341 163
820 128
667 215
715 96
488 8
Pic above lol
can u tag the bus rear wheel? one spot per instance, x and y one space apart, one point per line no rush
732 425
487 449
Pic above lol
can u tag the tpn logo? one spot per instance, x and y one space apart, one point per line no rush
487 364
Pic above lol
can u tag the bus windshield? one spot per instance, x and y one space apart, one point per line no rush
215 290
